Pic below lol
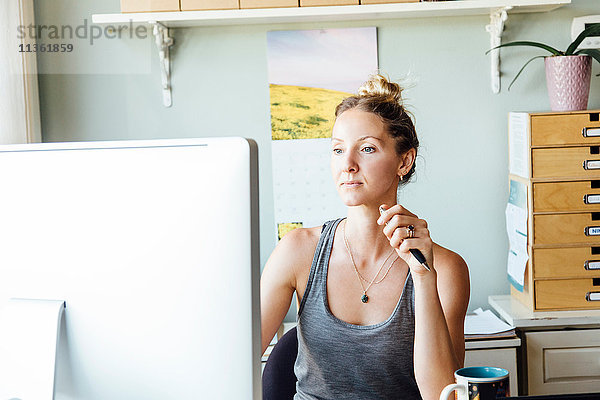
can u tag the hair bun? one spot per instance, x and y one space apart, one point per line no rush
378 85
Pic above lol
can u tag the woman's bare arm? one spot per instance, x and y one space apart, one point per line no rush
279 279
454 292
441 299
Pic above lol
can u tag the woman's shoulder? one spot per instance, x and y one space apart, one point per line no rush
301 241
297 247
294 253
446 259
453 276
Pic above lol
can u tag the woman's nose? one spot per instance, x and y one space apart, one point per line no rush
350 164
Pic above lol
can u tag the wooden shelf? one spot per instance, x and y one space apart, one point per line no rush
334 13
162 21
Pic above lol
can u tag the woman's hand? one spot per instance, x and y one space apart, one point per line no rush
397 219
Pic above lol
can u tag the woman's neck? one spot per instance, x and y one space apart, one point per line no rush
365 237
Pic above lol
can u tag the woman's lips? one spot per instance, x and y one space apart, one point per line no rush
351 184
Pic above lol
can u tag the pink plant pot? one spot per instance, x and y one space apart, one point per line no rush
568 81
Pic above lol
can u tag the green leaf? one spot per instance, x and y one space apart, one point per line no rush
521 70
526 43
593 30
590 52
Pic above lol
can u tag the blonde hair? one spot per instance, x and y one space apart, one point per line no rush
379 86
380 96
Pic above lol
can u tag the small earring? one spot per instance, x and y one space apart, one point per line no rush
401 177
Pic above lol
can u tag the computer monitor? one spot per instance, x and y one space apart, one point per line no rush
153 245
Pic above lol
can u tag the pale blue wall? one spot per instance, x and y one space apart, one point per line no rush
220 89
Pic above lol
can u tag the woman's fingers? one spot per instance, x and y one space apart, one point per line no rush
406 231
414 243
402 222
397 209
396 239
401 234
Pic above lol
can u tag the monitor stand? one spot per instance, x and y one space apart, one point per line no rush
29 332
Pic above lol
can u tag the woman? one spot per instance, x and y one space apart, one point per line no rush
373 322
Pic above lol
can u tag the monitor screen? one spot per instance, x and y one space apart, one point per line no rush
153 246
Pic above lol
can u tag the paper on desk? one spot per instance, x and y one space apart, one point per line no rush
484 323
516 227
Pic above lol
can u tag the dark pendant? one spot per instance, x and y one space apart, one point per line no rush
364 298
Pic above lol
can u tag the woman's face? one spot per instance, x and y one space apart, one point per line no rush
364 162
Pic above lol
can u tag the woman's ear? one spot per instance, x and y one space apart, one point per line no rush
408 160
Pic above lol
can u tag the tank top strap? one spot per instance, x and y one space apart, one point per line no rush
318 268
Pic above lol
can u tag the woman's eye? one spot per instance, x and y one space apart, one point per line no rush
368 149
337 151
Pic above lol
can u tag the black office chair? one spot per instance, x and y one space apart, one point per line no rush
279 380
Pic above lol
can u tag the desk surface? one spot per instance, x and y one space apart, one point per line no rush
519 316
492 343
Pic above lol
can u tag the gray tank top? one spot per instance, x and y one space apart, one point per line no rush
338 360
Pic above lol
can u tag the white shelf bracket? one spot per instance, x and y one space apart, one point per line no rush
163 43
495 28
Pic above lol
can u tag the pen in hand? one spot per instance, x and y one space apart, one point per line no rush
415 252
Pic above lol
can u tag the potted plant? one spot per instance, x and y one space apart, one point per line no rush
568 72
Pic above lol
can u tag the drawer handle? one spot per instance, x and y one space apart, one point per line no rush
591 265
592 296
591 164
591 199
590 132
592 231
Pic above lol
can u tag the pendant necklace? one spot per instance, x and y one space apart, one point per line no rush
364 298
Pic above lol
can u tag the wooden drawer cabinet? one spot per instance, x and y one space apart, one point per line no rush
565 129
567 163
570 262
557 158
563 361
558 229
566 196
567 293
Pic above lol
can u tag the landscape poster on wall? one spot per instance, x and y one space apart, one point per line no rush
310 73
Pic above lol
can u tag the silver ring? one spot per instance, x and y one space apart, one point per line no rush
410 231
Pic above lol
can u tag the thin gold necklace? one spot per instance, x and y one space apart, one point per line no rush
364 298
387 271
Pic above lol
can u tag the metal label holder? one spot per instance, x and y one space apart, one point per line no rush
590 132
591 199
591 265
591 164
592 296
